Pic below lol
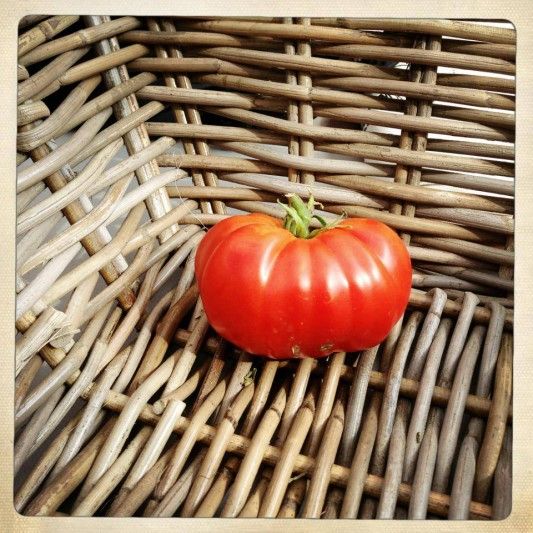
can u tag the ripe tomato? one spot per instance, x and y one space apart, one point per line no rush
274 294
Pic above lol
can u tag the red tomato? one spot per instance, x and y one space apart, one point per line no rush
274 294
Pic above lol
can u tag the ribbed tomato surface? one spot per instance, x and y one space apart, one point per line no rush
274 294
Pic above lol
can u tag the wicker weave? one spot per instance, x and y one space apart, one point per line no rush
137 134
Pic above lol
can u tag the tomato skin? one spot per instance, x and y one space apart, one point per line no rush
276 295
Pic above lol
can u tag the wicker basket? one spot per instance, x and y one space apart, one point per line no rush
135 135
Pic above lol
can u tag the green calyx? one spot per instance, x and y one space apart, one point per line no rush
299 216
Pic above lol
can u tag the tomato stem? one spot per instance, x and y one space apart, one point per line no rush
299 216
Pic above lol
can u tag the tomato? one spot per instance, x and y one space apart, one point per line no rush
276 294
